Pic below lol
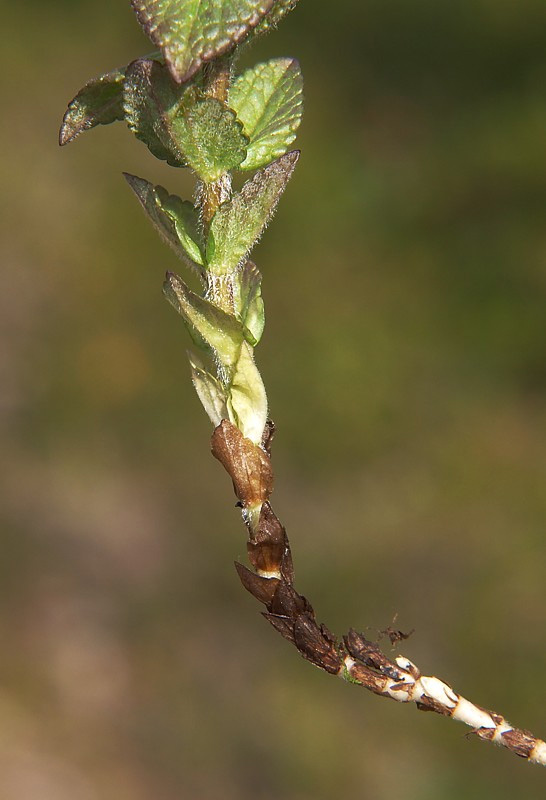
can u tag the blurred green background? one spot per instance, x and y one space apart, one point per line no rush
405 361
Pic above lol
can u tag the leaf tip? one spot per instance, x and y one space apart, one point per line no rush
289 161
64 135
290 62
169 287
131 179
68 130
286 163
177 74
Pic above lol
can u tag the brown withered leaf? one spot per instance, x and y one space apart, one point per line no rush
287 565
314 646
498 719
366 651
368 678
520 742
247 464
327 633
359 647
269 527
262 589
427 703
268 548
288 603
266 556
281 624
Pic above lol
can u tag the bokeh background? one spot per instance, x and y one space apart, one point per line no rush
404 356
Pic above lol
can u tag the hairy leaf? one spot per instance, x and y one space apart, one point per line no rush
176 220
151 99
221 331
186 222
210 136
209 390
99 102
238 224
249 305
268 99
190 32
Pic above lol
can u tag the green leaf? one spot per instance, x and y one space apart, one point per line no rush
210 136
186 222
244 402
150 100
221 331
247 400
249 306
268 99
99 102
190 32
209 391
238 224
176 220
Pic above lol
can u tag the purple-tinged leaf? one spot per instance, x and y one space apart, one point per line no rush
151 99
99 102
191 32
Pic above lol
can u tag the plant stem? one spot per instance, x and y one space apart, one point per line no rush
210 196
216 82
353 658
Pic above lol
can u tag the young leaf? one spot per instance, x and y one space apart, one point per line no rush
249 305
210 136
99 102
268 99
176 220
238 224
247 400
150 100
190 32
221 331
209 390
